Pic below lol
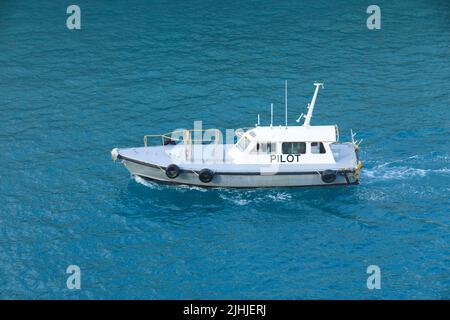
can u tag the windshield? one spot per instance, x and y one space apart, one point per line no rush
243 144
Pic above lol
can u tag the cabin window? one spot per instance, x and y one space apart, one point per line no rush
293 147
243 144
265 148
317 147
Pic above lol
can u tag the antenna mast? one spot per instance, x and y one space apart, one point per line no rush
271 114
285 102
311 106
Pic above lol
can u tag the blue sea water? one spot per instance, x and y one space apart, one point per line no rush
67 97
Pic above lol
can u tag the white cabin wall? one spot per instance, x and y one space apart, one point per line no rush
307 158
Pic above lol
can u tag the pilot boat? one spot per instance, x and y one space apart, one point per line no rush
261 156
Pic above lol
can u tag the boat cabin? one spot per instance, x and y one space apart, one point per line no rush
286 145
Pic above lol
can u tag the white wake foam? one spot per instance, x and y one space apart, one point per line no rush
147 183
158 186
411 167
243 198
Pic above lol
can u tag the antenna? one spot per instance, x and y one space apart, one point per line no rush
285 102
355 142
299 118
313 102
271 115
258 120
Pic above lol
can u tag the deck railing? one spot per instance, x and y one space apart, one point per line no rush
186 134
185 137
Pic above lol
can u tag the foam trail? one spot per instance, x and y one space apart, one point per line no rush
382 172
157 186
144 182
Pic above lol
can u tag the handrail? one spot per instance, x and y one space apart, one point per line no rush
245 129
337 132
169 135
186 138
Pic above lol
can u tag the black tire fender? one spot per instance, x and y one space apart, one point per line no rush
206 175
172 171
328 176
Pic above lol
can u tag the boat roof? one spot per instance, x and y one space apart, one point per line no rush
292 133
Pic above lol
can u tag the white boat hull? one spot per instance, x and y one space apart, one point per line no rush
242 179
